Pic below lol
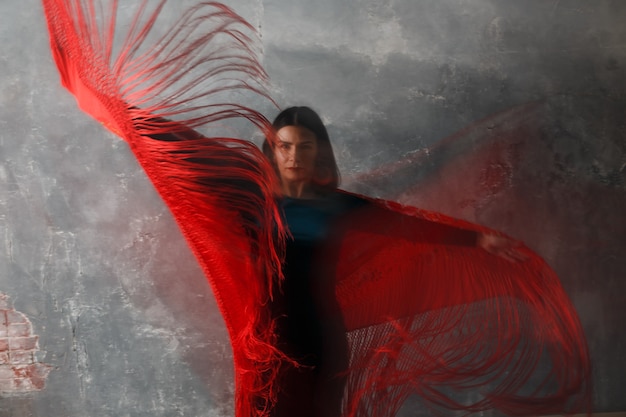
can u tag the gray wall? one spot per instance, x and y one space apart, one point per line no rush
504 112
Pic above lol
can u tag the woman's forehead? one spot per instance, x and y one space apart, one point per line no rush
295 134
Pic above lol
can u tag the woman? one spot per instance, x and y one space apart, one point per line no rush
309 328
303 159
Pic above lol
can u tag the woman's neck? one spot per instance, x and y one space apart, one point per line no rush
298 190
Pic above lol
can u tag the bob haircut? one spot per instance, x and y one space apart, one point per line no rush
326 175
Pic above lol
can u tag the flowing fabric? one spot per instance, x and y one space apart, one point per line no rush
424 315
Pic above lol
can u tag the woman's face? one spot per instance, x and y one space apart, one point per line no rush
295 154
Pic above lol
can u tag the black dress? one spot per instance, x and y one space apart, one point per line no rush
309 326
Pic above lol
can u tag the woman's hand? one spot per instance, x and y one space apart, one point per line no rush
501 246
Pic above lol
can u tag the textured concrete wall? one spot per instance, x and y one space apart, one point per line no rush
503 112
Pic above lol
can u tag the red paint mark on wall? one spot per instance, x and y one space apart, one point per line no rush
20 372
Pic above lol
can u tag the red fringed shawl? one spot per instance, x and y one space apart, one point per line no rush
444 322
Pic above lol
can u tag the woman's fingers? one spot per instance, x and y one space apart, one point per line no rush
502 246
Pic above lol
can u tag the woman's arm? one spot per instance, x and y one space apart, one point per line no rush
387 218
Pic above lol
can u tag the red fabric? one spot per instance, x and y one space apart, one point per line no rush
448 321
424 314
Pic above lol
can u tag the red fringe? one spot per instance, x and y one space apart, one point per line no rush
424 316
221 191
451 322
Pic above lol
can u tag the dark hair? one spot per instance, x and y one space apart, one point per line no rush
326 176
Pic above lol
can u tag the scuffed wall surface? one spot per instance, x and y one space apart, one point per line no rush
124 317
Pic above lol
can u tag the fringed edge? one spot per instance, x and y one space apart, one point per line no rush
134 91
420 344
